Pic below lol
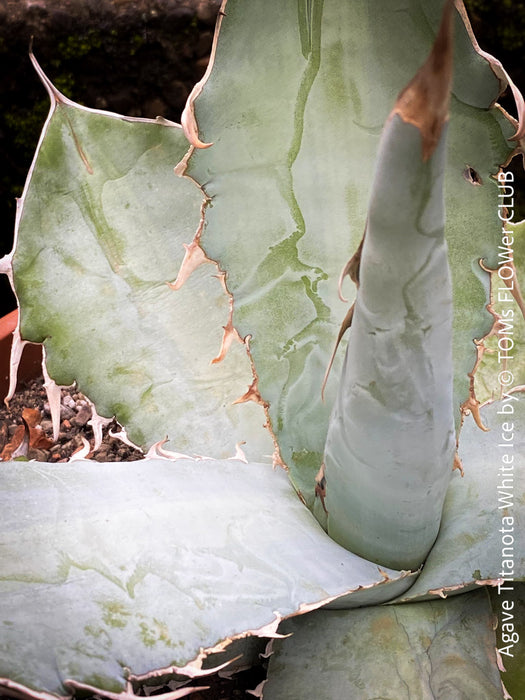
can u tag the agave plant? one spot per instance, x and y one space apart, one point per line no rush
205 304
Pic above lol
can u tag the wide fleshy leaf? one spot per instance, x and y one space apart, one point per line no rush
439 649
100 233
482 508
391 440
138 566
508 604
503 349
305 124
281 234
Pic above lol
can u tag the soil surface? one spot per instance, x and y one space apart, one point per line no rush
26 429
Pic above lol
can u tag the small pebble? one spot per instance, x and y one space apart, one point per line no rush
82 416
68 401
66 412
39 455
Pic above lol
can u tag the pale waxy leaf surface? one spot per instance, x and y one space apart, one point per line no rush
386 484
504 347
468 550
304 125
274 234
509 607
140 565
439 649
101 233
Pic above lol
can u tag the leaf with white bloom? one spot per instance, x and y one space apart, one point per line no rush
439 649
141 565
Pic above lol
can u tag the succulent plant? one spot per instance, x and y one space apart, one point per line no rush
204 305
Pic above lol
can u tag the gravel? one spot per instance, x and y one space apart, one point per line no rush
36 441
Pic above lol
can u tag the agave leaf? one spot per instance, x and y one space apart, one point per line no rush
439 649
391 440
468 550
100 233
503 348
139 566
508 605
305 124
283 274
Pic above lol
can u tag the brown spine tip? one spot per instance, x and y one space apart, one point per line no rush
188 120
425 100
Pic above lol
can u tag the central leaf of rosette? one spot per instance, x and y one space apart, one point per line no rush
391 441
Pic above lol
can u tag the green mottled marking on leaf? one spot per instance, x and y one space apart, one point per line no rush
100 635
304 16
309 75
312 192
115 614
158 632
307 460
152 554
107 218
149 638
505 350
440 649
513 616
106 682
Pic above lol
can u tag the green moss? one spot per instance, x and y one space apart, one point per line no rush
79 45
25 124
501 23
66 84
136 42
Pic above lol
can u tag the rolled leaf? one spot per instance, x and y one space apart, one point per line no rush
391 441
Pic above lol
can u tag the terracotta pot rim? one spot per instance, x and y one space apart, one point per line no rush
31 363
8 324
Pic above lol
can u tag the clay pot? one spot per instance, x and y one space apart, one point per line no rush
31 363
